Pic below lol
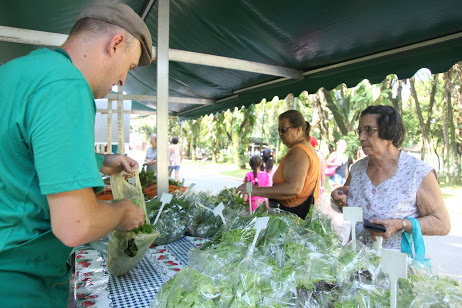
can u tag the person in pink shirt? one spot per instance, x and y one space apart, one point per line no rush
268 162
257 177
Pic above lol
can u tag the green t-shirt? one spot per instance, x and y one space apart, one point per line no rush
47 144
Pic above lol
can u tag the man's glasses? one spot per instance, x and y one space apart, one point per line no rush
369 130
283 130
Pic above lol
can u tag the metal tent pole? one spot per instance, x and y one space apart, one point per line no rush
162 96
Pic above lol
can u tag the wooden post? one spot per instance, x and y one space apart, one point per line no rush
120 122
109 126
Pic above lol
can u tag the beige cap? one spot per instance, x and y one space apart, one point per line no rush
123 16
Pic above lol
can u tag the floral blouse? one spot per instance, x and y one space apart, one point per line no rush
393 198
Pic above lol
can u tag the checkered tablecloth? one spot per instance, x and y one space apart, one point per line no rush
96 287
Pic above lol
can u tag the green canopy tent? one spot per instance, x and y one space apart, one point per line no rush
323 43
226 54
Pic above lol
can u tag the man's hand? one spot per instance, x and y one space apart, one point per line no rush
340 195
134 215
116 163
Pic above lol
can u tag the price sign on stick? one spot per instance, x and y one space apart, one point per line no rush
260 224
377 244
394 263
218 211
190 186
354 215
248 187
182 184
166 198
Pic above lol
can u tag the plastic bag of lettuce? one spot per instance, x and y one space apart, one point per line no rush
199 210
127 248
172 222
295 263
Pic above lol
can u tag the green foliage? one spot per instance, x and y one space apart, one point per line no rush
145 126
334 115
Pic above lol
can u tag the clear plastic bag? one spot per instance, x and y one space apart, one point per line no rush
127 248
296 263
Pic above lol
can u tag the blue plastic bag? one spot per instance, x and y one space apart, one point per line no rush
416 239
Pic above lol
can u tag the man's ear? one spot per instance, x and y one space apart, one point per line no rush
115 44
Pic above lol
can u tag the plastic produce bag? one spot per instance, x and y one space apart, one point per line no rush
172 222
127 248
296 263
203 222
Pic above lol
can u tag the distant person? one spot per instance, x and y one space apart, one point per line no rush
339 159
322 160
151 155
267 156
47 192
296 180
175 155
258 177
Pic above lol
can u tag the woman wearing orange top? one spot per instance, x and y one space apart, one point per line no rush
296 181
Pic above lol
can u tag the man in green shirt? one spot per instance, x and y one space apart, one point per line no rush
49 169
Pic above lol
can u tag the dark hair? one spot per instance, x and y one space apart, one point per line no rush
175 140
391 126
296 119
269 164
255 162
268 160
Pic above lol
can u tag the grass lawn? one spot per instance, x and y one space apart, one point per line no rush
239 173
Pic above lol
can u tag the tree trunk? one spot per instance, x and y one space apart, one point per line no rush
445 142
289 101
216 143
322 122
398 101
187 143
452 131
194 141
338 117
425 147
432 102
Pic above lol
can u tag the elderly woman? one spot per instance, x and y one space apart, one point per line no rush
151 155
296 181
389 184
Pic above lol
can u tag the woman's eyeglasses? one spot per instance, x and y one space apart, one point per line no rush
369 130
283 130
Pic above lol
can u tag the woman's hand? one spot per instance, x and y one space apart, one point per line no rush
242 190
116 163
392 226
339 196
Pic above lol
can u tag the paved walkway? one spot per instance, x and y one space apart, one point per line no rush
207 177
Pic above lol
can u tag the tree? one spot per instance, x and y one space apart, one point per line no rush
239 126
424 126
452 166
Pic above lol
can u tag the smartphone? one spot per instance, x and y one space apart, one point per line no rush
374 227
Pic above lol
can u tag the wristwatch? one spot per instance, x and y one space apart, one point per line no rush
404 225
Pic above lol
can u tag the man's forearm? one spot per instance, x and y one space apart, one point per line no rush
78 218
